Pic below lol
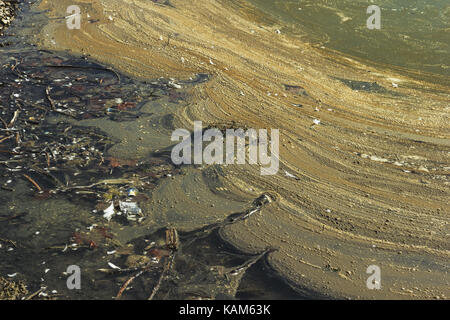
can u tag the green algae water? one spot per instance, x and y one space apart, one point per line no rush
414 36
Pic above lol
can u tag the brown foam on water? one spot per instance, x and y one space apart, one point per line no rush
373 176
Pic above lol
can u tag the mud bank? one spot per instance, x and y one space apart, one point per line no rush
368 185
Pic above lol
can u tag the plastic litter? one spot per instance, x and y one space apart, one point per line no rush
130 209
132 192
109 212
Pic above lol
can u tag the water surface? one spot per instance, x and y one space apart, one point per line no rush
414 34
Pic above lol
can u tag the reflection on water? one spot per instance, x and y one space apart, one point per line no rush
414 34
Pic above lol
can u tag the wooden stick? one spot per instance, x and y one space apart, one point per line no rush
167 267
12 217
14 118
31 296
8 241
48 159
47 93
4 123
127 283
6 138
33 182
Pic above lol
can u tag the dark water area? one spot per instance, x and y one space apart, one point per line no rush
58 182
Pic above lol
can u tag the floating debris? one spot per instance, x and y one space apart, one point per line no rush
8 10
174 85
113 266
12 290
290 175
130 209
132 192
95 238
109 212
60 158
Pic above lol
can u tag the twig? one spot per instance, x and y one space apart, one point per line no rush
33 182
129 281
10 161
172 243
14 216
246 265
114 271
13 120
10 152
4 123
102 182
257 205
8 241
167 267
48 159
5 138
57 182
31 296
66 247
47 92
